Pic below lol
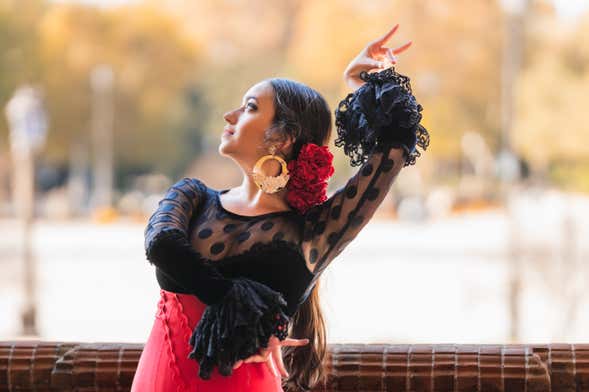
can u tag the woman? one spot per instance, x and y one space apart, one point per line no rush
238 268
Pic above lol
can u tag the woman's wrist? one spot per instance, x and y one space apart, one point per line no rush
353 81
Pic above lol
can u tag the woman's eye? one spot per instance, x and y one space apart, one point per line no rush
251 105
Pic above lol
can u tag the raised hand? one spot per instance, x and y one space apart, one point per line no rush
272 354
373 56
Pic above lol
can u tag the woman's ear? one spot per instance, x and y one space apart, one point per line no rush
285 147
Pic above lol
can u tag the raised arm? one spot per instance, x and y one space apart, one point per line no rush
378 127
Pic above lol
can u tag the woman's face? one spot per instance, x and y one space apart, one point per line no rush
243 136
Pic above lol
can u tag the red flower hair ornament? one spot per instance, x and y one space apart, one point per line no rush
309 173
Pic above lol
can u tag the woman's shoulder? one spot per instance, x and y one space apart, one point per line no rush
191 184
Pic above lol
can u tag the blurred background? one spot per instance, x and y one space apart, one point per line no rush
105 104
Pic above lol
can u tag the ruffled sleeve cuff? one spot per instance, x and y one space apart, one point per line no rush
381 113
236 327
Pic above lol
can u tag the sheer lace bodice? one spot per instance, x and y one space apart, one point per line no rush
254 268
283 249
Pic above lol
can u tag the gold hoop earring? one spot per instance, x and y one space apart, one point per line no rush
271 184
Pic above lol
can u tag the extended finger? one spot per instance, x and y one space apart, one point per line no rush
402 48
297 342
277 355
237 364
270 364
388 35
391 56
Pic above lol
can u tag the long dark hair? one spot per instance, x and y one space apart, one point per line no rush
302 113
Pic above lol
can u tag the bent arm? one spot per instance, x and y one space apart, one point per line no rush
168 248
241 314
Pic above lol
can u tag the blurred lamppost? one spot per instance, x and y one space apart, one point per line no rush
507 162
28 129
101 81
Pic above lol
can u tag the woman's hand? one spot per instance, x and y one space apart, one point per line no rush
272 354
374 55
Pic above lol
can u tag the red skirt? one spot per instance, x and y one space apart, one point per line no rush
164 364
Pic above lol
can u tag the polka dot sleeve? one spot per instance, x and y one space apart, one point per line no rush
331 226
167 246
379 128
241 313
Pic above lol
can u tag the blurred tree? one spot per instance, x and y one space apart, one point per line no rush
153 63
453 56
551 128
179 65
19 59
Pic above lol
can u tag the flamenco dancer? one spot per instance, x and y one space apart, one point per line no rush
239 268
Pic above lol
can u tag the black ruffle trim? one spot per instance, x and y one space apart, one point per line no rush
236 327
383 112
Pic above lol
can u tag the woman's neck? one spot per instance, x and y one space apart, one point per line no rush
249 196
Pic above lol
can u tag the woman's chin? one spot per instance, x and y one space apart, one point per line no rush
223 148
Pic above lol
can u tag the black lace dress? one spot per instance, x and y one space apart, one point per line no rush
253 272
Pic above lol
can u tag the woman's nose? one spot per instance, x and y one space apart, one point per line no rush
230 116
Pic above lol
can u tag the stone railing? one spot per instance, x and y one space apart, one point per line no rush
72 366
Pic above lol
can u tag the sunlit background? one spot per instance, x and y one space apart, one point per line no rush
105 104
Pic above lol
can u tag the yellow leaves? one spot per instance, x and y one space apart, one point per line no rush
550 121
220 48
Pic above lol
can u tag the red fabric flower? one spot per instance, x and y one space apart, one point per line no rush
307 185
